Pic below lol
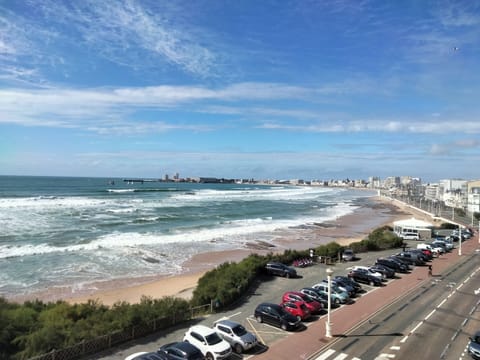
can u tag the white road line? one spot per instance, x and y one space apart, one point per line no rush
416 327
325 355
431 313
342 356
394 347
385 356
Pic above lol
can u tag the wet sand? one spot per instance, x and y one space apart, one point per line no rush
344 230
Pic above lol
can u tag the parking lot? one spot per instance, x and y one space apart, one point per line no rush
271 290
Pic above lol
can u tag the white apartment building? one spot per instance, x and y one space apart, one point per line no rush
473 196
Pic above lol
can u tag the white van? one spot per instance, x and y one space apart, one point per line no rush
410 236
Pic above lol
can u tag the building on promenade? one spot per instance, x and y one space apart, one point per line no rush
473 196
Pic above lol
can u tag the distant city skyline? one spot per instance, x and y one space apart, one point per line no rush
268 90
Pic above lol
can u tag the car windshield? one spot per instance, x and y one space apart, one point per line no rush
308 299
239 330
213 338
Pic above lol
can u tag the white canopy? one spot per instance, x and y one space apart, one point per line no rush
413 224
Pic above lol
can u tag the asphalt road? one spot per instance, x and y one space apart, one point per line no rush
432 322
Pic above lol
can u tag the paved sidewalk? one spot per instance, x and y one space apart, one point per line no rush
305 344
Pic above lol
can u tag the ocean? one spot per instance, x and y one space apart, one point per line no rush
61 232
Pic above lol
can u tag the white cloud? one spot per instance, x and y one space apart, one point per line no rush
131 34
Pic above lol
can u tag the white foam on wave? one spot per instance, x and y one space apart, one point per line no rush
229 231
48 202
257 194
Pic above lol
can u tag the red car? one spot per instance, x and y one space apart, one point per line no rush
296 296
298 309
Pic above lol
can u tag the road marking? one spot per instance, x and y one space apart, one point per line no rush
342 356
385 356
394 347
325 355
431 313
416 327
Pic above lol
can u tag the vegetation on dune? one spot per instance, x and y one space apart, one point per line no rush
35 327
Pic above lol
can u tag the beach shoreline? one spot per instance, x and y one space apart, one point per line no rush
344 230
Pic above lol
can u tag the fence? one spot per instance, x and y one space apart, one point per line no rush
88 347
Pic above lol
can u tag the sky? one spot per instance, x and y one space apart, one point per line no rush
271 89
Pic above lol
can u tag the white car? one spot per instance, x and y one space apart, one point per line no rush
212 346
236 335
143 355
372 272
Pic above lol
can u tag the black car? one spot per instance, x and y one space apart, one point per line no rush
406 262
364 276
276 315
347 280
474 346
385 270
395 265
276 268
412 259
180 350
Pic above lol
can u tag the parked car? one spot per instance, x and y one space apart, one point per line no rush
385 270
400 261
398 267
448 246
364 276
410 258
212 346
276 315
347 280
348 255
296 296
279 269
420 254
317 295
298 309
474 345
180 350
342 286
338 296
143 355
410 236
236 335
372 272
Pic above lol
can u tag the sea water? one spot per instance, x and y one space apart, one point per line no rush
60 231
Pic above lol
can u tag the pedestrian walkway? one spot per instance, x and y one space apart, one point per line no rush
312 343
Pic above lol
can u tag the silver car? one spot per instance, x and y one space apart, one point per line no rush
236 335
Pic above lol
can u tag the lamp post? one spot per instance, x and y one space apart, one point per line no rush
328 325
459 240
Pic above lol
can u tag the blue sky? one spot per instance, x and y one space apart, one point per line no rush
240 89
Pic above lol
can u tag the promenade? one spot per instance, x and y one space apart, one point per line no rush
306 345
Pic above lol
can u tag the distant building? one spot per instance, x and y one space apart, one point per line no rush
453 192
473 196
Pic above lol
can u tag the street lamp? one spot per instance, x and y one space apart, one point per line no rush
328 325
459 240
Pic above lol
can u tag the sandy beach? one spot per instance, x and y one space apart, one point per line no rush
344 230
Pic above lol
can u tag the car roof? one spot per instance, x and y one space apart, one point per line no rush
202 329
272 305
182 345
227 322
